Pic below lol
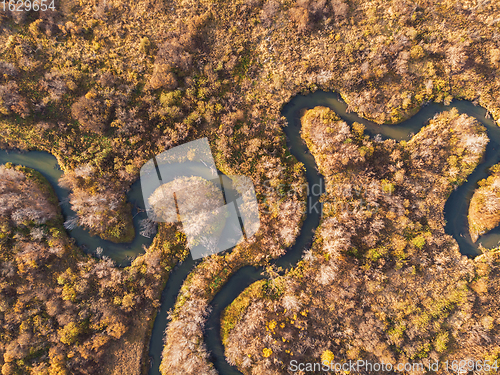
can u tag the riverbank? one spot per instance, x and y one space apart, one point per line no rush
247 275
381 270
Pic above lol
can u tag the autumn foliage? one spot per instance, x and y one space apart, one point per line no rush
60 309
382 281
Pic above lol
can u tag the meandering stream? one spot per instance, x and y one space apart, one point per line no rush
456 209
47 165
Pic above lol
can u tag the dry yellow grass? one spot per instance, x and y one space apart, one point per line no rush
129 356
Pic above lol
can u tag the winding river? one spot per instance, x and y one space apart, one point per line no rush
47 165
455 211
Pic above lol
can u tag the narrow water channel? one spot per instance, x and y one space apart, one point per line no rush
47 165
455 211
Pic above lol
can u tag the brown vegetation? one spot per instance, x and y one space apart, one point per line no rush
139 77
382 282
161 73
92 114
62 312
484 208
99 208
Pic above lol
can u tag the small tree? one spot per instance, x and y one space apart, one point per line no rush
92 114
69 333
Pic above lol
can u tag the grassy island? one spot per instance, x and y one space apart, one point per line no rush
382 281
484 208
61 311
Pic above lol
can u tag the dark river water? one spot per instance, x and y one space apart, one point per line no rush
455 211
